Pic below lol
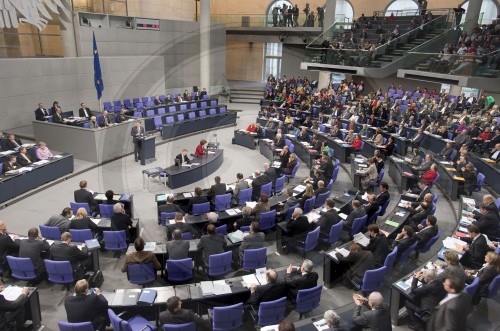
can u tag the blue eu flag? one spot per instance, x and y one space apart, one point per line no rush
99 85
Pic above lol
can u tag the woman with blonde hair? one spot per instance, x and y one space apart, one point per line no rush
486 274
308 194
83 222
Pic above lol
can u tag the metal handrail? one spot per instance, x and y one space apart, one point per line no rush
327 31
381 13
456 55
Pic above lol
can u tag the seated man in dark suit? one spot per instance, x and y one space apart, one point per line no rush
377 318
260 179
357 212
283 208
300 278
32 248
182 158
475 252
64 251
328 218
180 225
106 119
359 261
121 221
176 315
297 229
422 191
488 221
270 172
12 314
140 256
197 199
83 195
426 233
87 307
41 112
177 248
404 240
13 142
321 188
384 195
7 245
254 240
371 206
273 290
378 245
246 218
170 206
211 243
84 111
427 296
10 164
217 189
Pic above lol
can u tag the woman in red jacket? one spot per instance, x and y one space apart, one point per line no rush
357 143
430 175
252 127
199 149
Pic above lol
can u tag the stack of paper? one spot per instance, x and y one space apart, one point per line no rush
238 235
207 288
187 195
220 287
299 188
312 217
100 196
260 273
342 251
249 280
249 181
342 216
251 204
361 239
232 212
96 220
150 246
321 325
454 244
11 293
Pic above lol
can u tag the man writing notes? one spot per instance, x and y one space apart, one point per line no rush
182 158
137 132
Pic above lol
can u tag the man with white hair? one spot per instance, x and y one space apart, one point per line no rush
121 221
300 278
333 320
297 229
377 318
212 218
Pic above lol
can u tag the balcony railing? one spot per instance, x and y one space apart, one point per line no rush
261 21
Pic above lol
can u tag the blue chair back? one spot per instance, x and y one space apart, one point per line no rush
380 176
434 198
180 270
50 232
166 216
267 220
280 184
334 234
77 205
480 182
497 202
187 236
222 201
435 180
80 236
115 240
308 299
390 259
105 210
219 264
201 208
311 240
373 218
429 244
471 289
272 312
227 318
404 256
493 287
141 273
254 258
373 279
384 207
221 229
59 272
358 224
83 326
245 196
266 188
330 185
309 204
320 199
294 171
22 268
180 327
290 212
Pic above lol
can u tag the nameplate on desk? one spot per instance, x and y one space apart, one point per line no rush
392 223
458 178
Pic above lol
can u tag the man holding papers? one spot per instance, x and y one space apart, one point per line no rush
12 311
273 290
182 158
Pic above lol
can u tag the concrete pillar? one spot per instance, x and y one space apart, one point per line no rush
329 13
323 79
473 10
205 44
67 30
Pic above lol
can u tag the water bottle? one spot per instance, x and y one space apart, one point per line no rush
346 193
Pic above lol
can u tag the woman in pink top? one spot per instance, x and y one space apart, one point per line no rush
43 152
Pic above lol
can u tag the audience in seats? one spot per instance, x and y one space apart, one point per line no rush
297 229
359 262
246 218
217 189
428 232
12 313
262 206
140 256
328 218
82 222
170 206
404 240
121 221
284 207
238 186
254 240
197 199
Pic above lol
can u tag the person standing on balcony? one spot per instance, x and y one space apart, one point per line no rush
275 16
459 11
306 11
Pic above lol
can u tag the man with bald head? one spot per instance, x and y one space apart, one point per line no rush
489 201
273 290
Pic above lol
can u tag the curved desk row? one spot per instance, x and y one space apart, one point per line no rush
170 131
491 170
179 176
57 167
245 138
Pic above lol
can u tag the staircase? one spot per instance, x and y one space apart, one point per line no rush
250 93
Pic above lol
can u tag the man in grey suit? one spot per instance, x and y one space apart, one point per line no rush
238 186
377 318
177 248
32 248
254 240
211 243
357 212
137 132
289 203
424 167
452 312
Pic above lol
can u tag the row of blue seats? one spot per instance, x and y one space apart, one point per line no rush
181 117
148 102
159 110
